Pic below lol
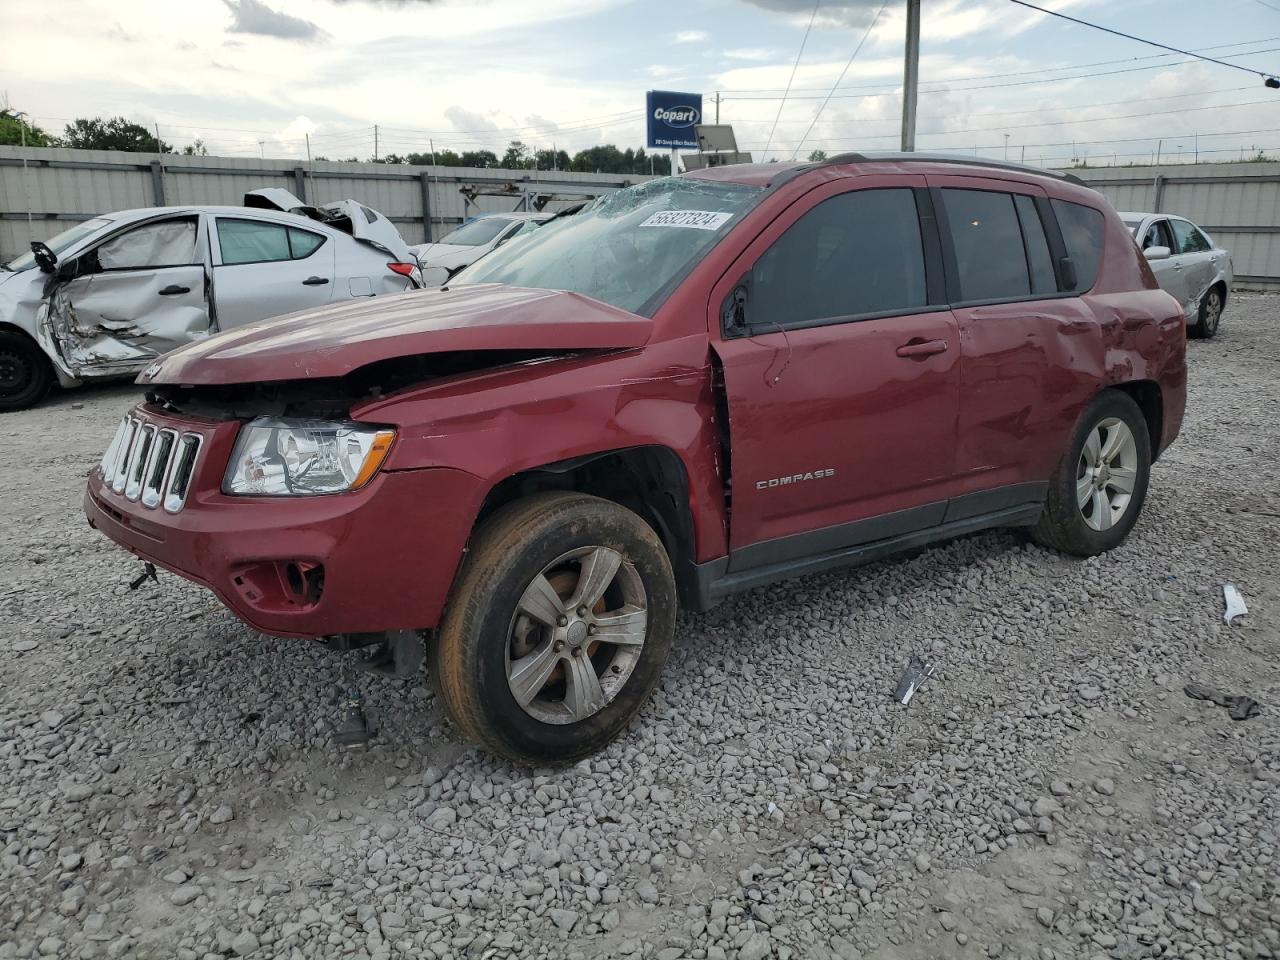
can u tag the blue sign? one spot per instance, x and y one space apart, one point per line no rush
672 117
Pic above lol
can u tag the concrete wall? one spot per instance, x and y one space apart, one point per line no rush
1238 204
57 187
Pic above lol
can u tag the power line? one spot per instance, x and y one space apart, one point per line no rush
1061 143
794 67
1269 6
848 64
1129 36
1042 70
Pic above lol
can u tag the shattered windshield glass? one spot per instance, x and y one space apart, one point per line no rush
627 249
61 241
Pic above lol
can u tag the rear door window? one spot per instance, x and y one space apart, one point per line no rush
853 254
255 241
991 260
1188 238
1082 233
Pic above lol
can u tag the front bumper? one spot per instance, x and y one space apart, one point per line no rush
380 558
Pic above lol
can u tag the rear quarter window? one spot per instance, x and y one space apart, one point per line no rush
1082 233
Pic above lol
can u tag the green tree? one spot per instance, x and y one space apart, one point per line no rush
115 133
517 156
817 156
552 160
195 148
478 158
13 132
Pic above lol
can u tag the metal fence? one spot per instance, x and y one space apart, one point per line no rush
42 191
1238 204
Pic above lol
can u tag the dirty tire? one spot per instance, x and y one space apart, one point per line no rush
1062 525
510 549
25 375
1206 325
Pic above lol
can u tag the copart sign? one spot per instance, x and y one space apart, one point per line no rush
672 117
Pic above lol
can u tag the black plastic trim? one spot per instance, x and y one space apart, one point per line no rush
814 542
714 583
996 500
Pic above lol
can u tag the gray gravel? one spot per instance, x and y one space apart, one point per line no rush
168 789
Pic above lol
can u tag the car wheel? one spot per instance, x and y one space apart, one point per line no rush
557 629
1206 326
24 372
1099 487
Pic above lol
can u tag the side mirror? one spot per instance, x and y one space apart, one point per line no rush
45 258
1157 253
733 313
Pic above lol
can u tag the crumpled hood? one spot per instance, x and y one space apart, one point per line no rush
332 341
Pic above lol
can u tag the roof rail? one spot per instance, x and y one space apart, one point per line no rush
899 157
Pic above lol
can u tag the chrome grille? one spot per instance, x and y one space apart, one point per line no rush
151 464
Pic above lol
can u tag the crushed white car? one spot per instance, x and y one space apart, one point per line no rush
466 244
108 296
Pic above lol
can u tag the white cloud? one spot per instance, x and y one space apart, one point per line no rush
254 16
751 53
691 36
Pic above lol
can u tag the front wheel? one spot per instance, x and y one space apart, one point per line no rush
558 627
1098 488
1206 325
25 375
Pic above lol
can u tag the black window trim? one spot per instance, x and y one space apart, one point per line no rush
931 249
286 227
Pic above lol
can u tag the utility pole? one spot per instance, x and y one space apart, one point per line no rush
262 149
911 77
717 106
431 145
375 143
1006 148
1159 144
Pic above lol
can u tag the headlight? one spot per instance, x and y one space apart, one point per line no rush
298 458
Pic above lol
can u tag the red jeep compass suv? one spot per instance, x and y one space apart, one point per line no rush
699 384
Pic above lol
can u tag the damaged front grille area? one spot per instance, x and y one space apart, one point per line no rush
151 464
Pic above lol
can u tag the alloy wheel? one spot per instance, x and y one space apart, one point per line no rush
1212 311
576 635
1106 474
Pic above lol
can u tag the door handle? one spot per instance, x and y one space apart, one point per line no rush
173 290
919 349
314 281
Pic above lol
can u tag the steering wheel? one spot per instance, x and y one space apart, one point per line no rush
45 258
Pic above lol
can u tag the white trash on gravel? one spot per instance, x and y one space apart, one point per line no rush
169 787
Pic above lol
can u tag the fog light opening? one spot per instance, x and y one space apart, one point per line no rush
305 581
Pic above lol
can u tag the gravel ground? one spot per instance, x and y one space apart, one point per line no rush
169 788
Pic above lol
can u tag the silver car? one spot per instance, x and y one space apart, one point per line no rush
466 244
1187 264
109 295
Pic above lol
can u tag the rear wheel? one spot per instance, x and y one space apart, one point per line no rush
558 627
25 375
1206 326
1099 487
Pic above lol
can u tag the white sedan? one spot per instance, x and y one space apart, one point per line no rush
109 295
1187 264
466 244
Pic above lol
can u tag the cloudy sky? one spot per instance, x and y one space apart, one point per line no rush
251 76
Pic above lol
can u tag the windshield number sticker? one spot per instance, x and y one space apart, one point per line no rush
694 219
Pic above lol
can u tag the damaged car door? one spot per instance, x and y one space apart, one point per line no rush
125 301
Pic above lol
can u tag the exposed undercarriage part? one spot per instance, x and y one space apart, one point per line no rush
332 397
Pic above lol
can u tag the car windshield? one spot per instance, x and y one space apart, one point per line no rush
627 249
60 242
477 232
1133 226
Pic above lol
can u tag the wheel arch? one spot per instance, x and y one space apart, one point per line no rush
650 480
1150 400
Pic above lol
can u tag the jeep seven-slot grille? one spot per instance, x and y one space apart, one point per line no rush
151 464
